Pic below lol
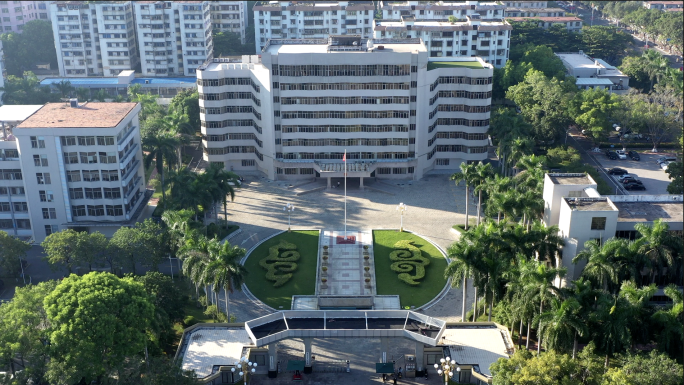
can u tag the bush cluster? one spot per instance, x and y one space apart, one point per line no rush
280 262
408 257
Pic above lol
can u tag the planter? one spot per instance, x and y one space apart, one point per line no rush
365 247
366 257
366 268
324 280
325 247
367 280
324 268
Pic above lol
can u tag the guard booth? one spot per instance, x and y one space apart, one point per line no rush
410 371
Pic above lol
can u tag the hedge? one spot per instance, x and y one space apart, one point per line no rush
280 262
648 145
408 257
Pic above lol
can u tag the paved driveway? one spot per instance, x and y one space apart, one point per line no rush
648 171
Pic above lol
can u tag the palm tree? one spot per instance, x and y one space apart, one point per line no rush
83 94
670 334
224 270
494 270
178 225
224 182
194 261
656 65
64 87
638 298
560 326
482 173
101 95
545 242
522 303
611 318
496 189
601 268
467 175
537 281
461 254
660 247
162 149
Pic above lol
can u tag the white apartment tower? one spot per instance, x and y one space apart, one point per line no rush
94 38
292 112
174 36
230 16
311 20
478 30
72 165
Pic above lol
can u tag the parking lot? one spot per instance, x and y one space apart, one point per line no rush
647 170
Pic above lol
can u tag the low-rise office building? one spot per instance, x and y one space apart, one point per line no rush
293 112
571 23
594 73
311 20
489 40
572 203
72 165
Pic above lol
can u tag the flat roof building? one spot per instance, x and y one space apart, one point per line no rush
592 73
572 203
292 112
526 4
70 165
664 5
534 12
571 23
441 10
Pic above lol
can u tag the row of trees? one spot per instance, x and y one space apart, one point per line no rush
35 44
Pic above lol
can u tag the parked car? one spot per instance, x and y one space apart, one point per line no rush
617 171
664 165
621 154
634 155
636 185
663 159
627 177
611 154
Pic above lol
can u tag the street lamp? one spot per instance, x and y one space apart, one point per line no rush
289 208
446 368
402 209
245 367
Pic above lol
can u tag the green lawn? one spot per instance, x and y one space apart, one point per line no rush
303 281
447 64
386 279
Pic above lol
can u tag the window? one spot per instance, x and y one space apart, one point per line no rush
93 193
91 176
96 211
51 229
88 157
6 224
49 213
442 162
40 160
86 140
4 207
76 193
43 178
110 176
105 140
23 224
46 196
20 207
68 140
70 157
112 193
73 176
108 157
78 211
248 163
37 142
114 210
598 223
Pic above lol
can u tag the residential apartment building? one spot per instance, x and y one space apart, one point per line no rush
535 12
526 4
441 10
664 5
571 23
71 165
311 20
94 38
174 36
572 203
293 112
489 40
230 16
14 14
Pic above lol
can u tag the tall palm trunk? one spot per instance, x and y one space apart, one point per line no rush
605 364
467 198
574 346
489 316
163 186
527 341
539 337
225 292
465 290
475 311
520 334
479 203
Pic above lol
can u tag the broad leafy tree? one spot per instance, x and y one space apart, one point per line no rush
35 44
12 252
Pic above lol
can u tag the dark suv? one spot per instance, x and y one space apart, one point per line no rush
634 185
611 154
634 155
617 171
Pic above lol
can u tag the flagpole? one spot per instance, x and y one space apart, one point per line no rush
345 193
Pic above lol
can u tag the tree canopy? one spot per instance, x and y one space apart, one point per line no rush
35 44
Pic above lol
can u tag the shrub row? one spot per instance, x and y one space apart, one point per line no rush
407 258
280 262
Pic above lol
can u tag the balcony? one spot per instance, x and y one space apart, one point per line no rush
127 157
124 139
127 196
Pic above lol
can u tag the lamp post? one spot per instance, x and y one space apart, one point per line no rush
446 368
289 208
244 367
402 209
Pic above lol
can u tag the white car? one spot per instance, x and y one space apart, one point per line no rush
620 178
621 154
664 165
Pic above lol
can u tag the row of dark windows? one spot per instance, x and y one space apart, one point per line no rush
461 94
343 70
229 82
231 123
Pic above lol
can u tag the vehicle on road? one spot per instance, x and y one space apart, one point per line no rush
664 165
611 154
621 154
617 171
664 159
634 155
626 178
636 185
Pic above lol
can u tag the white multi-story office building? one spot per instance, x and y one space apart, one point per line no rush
293 112
526 4
71 165
441 10
94 38
174 36
230 16
311 20
489 40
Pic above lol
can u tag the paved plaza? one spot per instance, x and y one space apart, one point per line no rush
434 204
346 275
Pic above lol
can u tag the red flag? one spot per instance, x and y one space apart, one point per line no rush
344 157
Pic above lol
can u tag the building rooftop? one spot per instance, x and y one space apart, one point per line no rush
87 115
436 25
571 179
473 64
213 346
477 345
115 81
161 81
17 113
590 204
281 46
593 82
650 211
548 19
